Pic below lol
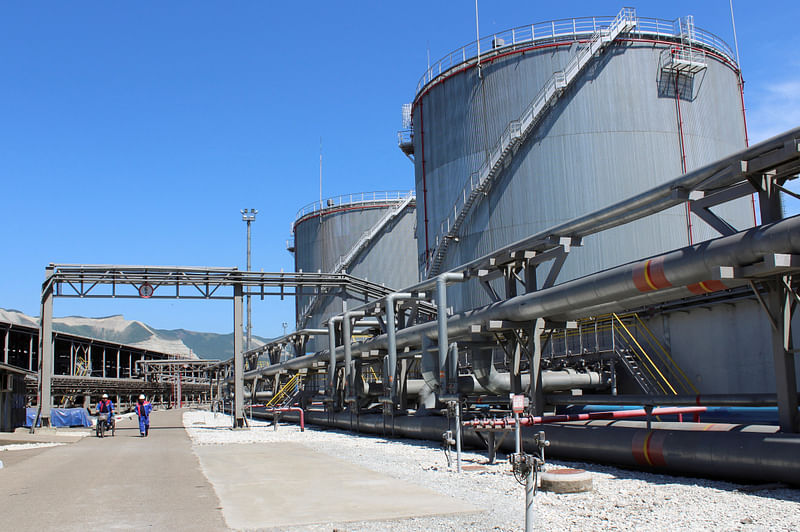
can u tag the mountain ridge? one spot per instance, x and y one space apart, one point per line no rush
116 329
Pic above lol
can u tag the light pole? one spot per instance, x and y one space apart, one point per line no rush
248 216
284 324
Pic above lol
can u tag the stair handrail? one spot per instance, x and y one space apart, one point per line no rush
282 390
643 353
665 353
516 133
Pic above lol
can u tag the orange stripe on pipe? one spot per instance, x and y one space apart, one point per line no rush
706 287
656 272
640 279
648 277
645 451
639 448
655 449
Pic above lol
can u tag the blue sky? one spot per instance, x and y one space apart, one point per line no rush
133 133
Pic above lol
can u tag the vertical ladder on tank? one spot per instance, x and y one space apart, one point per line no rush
517 132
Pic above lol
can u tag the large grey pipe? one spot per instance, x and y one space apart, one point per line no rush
755 453
332 353
441 319
613 289
391 328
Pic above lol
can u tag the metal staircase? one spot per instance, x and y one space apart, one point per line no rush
655 374
346 259
367 236
627 340
287 393
518 131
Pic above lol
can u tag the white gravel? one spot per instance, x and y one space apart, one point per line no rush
621 500
26 446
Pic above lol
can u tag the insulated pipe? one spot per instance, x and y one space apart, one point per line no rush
743 399
616 287
391 338
559 418
752 453
552 381
289 409
499 383
348 356
710 176
332 353
441 317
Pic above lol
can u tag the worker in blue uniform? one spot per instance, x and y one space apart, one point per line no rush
143 409
106 406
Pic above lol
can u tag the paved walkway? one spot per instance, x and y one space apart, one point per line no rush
120 483
157 483
288 484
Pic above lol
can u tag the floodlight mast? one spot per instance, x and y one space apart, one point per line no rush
249 217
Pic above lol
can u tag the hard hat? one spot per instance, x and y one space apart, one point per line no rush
141 396
105 396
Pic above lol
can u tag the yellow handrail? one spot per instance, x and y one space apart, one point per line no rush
282 392
664 351
666 381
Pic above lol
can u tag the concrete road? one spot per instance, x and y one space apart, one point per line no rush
120 483
287 484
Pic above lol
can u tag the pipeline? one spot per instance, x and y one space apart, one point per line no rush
741 399
552 381
612 290
559 418
722 451
281 409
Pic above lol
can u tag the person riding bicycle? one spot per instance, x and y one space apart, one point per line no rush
106 406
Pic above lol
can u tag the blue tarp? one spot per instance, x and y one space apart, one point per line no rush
62 417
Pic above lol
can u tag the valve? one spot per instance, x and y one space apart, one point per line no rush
448 441
523 464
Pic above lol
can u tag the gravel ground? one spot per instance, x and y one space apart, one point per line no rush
621 500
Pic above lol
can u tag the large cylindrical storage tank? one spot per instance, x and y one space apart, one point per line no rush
660 99
369 235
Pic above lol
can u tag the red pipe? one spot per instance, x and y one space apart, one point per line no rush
612 414
290 409
424 183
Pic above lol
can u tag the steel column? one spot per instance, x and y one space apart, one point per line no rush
535 390
238 358
46 348
780 300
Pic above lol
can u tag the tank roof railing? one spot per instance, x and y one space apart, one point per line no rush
394 196
559 31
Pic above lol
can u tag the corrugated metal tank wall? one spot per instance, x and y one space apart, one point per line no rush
613 133
324 236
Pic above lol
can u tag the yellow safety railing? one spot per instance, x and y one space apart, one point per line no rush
642 355
283 392
686 381
633 332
